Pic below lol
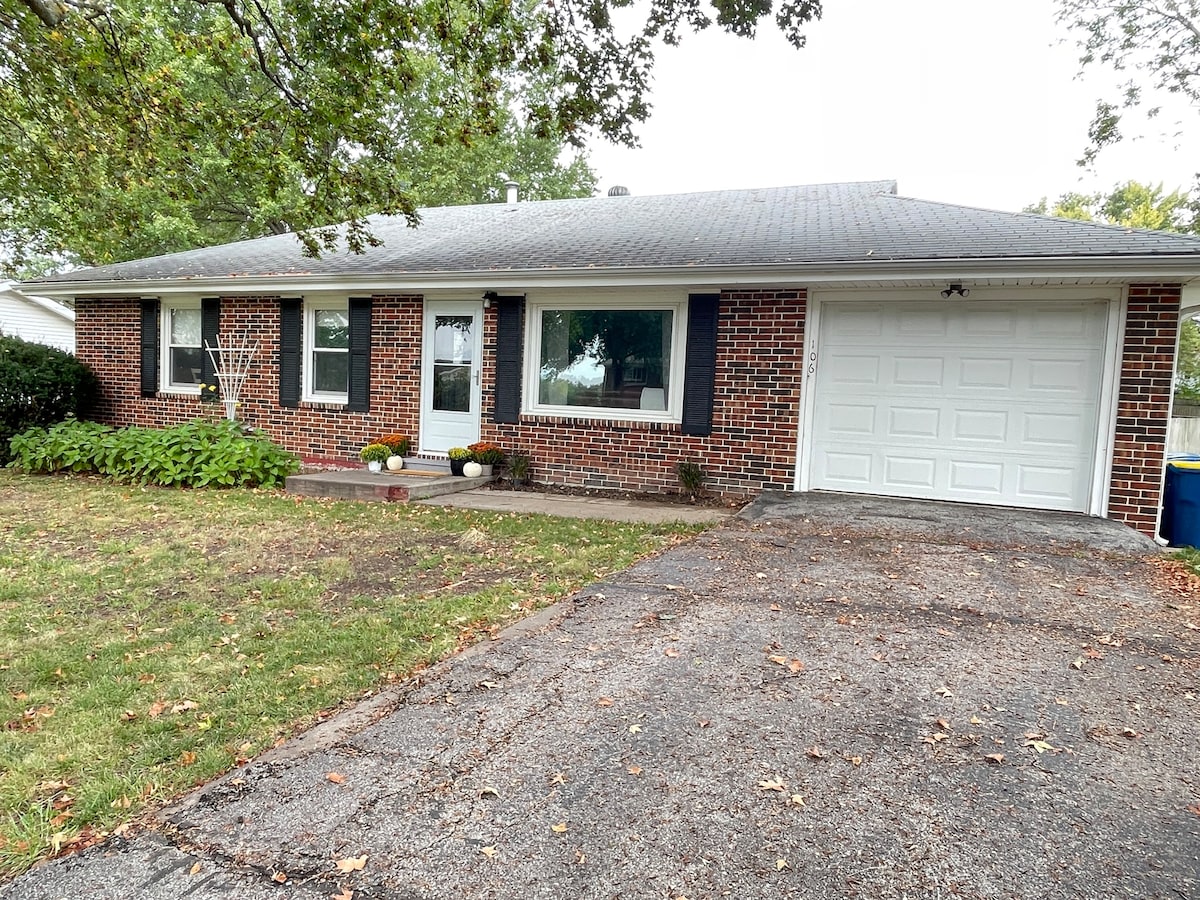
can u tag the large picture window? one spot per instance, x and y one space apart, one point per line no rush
182 350
327 352
615 362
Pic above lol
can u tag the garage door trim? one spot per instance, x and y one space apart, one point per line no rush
1114 297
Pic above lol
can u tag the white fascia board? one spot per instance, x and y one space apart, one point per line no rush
1115 269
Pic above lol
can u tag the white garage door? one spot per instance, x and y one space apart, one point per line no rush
987 402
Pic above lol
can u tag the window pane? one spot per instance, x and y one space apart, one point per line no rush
185 327
330 372
620 359
185 365
452 339
451 388
332 329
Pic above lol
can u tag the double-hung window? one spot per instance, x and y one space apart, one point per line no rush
610 359
327 352
182 348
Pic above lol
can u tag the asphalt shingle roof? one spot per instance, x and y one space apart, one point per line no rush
810 224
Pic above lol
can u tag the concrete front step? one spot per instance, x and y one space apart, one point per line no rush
359 484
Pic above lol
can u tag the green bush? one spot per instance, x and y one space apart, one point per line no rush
199 454
38 386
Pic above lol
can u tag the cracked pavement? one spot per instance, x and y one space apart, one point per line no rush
802 702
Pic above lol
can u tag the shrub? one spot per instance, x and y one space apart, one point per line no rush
39 386
691 476
459 454
198 454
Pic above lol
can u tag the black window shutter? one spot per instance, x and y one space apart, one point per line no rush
149 343
700 364
510 333
289 352
210 324
359 390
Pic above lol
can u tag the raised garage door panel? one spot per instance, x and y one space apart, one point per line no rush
989 402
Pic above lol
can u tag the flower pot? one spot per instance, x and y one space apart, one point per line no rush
487 469
472 469
395 463
375 466
456 466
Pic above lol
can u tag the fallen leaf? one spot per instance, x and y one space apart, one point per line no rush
781 660
157 708
1093 653
184 706
856 761
128 716
795 666
187 758
975 720
814 752
558 778
346 894
635 770
773 784
781 864
604 701
335 777
580 857
489 852
1041 746
559 828
635 729
671 652
944 692
935 738
194 869
704 723
796 800
775 607
279 878
1077 663
351 864
995 758
942 724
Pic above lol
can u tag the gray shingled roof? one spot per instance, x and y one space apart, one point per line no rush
813 224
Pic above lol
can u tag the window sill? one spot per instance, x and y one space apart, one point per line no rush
175 391
330 403
600 419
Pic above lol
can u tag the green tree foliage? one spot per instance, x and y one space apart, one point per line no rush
1157 42
1136 205
38 386
133 126
1132 205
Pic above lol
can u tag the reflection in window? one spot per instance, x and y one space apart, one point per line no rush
330 351
183 346
615 359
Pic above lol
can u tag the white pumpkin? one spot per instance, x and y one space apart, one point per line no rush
472 469
395 463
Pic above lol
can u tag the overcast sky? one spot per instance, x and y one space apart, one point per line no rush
958 100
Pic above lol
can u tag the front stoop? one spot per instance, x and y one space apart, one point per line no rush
359 484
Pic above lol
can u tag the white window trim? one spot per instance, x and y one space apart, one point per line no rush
534 308
165 385
311 308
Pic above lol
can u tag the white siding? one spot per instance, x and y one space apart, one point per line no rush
29 319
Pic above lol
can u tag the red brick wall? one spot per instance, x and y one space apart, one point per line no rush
107 337
760 354
1143 405
753 445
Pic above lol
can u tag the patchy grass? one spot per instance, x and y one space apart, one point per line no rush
152 638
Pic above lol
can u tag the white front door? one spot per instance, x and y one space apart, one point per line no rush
450 373
985 402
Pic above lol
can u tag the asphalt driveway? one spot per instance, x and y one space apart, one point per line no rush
831 697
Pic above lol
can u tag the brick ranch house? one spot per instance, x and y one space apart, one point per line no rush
826 337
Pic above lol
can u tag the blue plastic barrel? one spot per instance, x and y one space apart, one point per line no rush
1181 503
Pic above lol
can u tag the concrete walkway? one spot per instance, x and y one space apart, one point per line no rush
612 510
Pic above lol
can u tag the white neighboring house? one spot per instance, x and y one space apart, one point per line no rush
36 318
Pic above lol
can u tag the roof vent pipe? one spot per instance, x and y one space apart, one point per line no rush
510 187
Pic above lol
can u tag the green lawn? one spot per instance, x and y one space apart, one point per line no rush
150 638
